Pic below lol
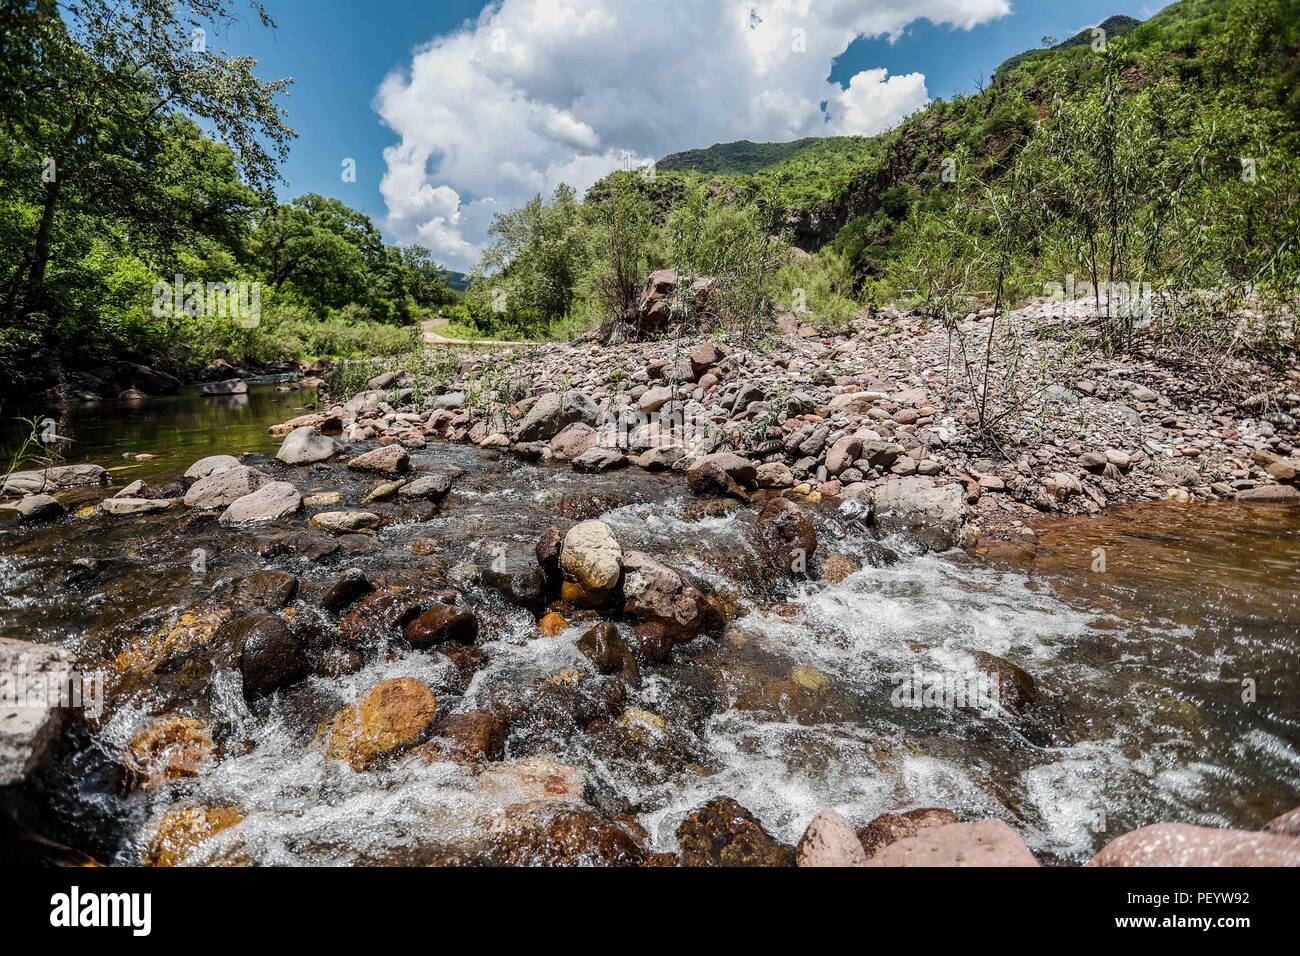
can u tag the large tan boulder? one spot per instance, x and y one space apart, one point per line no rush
389 718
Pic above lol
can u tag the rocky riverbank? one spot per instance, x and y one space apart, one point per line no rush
883 411
440 627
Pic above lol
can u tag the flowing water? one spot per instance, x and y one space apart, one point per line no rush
1162 640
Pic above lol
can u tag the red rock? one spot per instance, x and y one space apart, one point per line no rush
1182 844
986 843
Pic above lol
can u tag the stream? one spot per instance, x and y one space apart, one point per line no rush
1169 669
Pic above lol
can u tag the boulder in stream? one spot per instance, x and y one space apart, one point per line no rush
306 446
30 726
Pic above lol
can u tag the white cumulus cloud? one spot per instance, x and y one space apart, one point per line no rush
538 92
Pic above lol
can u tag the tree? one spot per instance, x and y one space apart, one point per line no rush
88 100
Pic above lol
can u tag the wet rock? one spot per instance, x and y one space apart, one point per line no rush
346 522
270 656
740 470
986 843
35 508
534 778
834 568
829 841
182 829
306 446
127 507
655 592
346 590
1288 824
428 487
605 648
655 641
222 488
389 718
723 833
1182 844
380 615
468 738
547 552
442 623
591 558
338 662
54 478
891 827
545 833
1016 689
388 460
932 514
270 589
28 734
172 747
552 624
515 573
211 464
784 540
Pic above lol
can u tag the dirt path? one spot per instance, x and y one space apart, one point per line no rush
433 338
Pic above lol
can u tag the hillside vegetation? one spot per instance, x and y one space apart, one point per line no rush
1161 155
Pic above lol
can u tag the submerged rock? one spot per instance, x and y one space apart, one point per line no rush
605 648
784 540
545 833
171 747
182 829
389 718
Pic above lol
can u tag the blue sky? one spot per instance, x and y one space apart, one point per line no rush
548 77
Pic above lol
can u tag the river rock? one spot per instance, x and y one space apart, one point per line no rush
723 833
306 445
346 522
34 508
932 514
350 587
231 386
270 589
784 540
829 841
552 412
1288 824
573 440
389 718
271 502
442 623
171 747
985 843
378 616
29 726
515 573
469 738
891 827
655 592
428 487
605 648
224 487
591 558
546 833
134 506
388 460
182 829
1182 844
270 656
1270 494
210 465
595 460
53 479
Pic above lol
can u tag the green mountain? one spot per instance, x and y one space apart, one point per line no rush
851 192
